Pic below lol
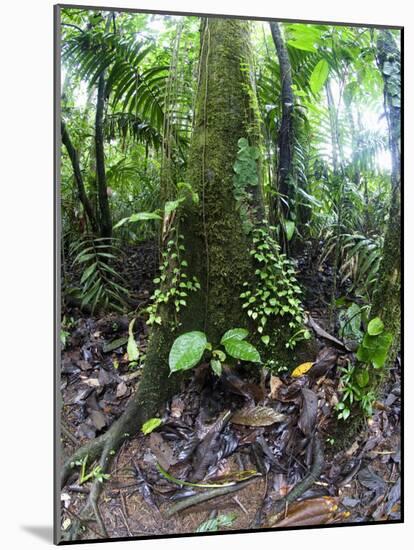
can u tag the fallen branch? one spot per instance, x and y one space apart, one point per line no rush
208 495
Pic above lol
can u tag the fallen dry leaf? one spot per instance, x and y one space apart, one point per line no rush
257 416
121 389
309 411
314 511
302 369
92 382
275 384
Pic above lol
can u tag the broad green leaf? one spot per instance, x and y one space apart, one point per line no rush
150 425
144 216
170 206
375 327
362 377
121 222
319 76
220 354
216 366
381 352
187 350
265 339
345 413
374 349
138 217
132 348
240 349
305 45
88 272
234 333
289 228
215 523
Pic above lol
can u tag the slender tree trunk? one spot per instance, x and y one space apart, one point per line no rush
285 137
105 220
83 197
387 298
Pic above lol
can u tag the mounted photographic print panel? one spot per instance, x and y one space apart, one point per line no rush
228 251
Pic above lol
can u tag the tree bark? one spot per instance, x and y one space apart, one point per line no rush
105 221
217 249
285 137
387 298
226 110
83 197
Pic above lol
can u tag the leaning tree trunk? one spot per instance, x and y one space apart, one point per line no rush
77 173
387 298
217 248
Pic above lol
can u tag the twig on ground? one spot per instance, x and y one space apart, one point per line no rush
124 514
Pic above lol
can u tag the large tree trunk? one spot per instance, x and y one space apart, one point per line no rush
216 242
217 248
387 298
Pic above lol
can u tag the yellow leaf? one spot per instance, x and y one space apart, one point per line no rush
301 369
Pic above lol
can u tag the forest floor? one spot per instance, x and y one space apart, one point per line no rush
359 482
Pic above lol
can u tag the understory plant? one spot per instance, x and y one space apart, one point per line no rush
95 473
357 380
275 292
189 348
100 284
173 283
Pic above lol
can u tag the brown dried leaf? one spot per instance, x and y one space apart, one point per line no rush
323 334
92 382
309 411
177 407
162 451
98 419
121 389
257 416
325 360
292 391
275 384
314 511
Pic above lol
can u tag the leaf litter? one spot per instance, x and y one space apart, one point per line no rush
221 431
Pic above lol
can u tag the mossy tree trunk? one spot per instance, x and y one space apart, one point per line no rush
217 249
387 298
216 243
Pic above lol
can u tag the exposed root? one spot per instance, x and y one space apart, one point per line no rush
93 449
102 450
208 495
